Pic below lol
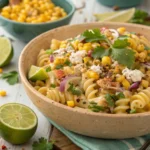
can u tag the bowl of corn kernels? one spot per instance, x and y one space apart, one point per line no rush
25 19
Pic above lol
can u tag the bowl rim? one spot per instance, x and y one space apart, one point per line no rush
76 110
45 23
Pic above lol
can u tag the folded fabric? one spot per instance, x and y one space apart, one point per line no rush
90 143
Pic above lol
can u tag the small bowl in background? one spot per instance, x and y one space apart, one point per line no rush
121 3
27 31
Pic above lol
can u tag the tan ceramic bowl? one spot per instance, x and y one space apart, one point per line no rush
82 121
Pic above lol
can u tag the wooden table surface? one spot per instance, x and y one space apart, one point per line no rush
16 93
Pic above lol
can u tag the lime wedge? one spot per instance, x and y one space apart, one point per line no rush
103 16
6 51
18 123
121 16
37 73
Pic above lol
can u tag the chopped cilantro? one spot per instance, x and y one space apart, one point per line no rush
53 85
132 111
49 51
74 90
120 95
59 66
95 108
48 69
110 100
42 144
99 52
11 77
68 63
93 35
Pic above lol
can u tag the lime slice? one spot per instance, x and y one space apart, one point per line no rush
3 3
103 16
6 51
37 73
121 16
18 123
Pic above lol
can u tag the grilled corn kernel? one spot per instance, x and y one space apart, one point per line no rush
92 74
59 61
70 103
145 83
140 48
87 46
117 69
1 70
75 44
120 78
142 56
121 30
3 93
106 61
86 59
133 43
126 84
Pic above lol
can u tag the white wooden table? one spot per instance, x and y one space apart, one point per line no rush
17 94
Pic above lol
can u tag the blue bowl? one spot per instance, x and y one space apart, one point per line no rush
27 31
121 3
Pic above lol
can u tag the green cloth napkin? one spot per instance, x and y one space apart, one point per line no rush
89 143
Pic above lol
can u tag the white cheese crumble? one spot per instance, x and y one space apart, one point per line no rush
78 68
76 58
59 52
133 75
96 69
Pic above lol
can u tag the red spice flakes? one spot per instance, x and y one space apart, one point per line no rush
4 147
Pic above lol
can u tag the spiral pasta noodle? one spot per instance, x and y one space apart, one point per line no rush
121 106
89 88
140 100
42 58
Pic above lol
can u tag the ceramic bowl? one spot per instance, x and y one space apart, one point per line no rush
121 3
85 122
27 31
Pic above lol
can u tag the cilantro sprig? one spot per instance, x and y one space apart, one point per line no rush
95 108
42 144
74 90
118 51
11 77
93 35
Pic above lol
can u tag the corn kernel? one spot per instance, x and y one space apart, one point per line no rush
145 83
92 74
140 48
59 61
121 30
86 59
70 103
106 61
3 93
120 78
1 70
126 84
87 46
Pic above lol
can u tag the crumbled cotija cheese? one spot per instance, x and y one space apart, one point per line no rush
134 75
76 58
96 69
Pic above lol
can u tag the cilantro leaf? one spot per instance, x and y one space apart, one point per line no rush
48 69
59 66
132 111
121 43
42 144
99 52
68 63
53 85
93 35
124 56
74 90
120 95
140 14
11 77
95 108
110 100
49 51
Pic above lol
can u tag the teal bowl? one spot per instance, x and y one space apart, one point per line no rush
121 3
26 31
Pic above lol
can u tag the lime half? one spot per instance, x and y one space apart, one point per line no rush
6 51
18 123
37 73
120 16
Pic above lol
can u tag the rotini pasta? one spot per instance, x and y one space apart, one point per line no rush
97 75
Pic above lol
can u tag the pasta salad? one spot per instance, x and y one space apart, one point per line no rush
102 70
